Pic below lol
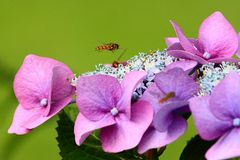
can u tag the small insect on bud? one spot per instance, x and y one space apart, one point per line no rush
167 97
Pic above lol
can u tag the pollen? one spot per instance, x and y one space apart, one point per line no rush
43 102
114 111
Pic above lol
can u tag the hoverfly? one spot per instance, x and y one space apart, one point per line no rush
108 47
167 97
116 63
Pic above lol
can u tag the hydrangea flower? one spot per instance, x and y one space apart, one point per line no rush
168 96
217 41
105 104
42 87
218 116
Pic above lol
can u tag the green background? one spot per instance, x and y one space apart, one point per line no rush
69 30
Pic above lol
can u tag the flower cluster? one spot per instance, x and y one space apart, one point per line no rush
142 103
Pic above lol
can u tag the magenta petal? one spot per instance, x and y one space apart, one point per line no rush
186 55
217 36
208 126
171 40
225 98
220 60
127 133
186 65
97 94
84 127
129 84
186 44
155 139
226 147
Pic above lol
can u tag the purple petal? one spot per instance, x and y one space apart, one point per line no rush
166 116
226 147
97 95
127 133
186 44
84 127
186 55
183 86
186 65
225 98
217 36
152 95
155 139
129 84
220 60
33 81
171 40
208 126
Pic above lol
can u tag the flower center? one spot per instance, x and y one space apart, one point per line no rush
236 122
167 97
43 102
114 111
206 55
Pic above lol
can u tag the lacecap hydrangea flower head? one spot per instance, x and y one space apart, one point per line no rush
134 110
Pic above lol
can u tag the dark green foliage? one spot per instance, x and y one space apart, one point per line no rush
196 149
89 150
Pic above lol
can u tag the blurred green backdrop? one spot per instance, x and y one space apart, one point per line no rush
69 30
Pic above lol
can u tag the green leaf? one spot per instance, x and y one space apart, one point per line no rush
90 150
196 149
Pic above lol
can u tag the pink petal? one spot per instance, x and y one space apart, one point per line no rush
186 44
238 51
129 84
97 95
186 65
217 36
226 147
26 119
155 139
208 126
175 46
84 127
61 88
220 60
186 55
33 81
171 40
127 133
225 97
16 126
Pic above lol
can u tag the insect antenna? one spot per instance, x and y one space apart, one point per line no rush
122 54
